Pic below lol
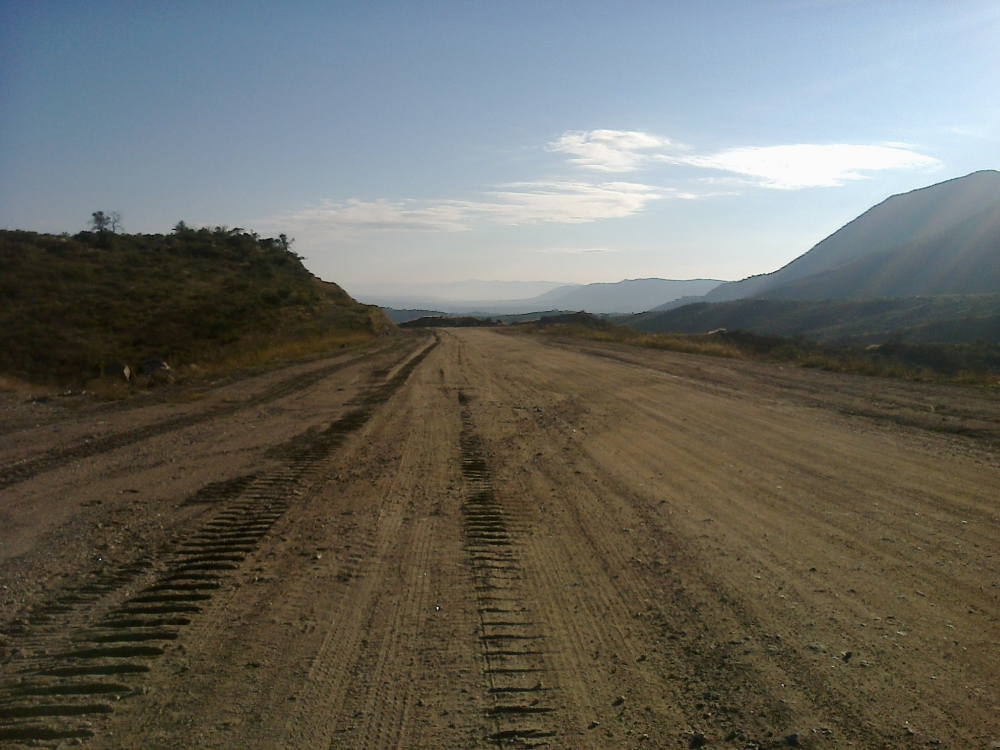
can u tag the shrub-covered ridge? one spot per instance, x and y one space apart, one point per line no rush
71 305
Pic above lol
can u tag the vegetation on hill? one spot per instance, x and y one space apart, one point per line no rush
977 363
918 320
69 306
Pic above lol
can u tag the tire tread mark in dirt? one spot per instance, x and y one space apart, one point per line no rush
216 492
987 434
68 658
513 654
19 472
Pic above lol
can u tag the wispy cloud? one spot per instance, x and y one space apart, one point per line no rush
565 202
804 165
513 204
610 150
356 216
784 167
789 167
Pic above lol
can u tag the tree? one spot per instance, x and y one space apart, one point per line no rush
100 222
103 223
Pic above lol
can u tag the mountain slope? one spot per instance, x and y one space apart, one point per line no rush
952 224
961 260
69 305
933 319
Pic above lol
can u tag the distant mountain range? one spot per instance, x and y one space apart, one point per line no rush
624 297
923 265
417 294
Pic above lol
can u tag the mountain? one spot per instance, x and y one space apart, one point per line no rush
942 239
675 303
936 319
628 296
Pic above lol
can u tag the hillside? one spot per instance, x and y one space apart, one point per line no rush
942 239
940 319
964 259
70 305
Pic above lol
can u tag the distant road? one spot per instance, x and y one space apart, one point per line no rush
472 538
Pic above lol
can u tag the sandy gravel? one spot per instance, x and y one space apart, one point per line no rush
476 539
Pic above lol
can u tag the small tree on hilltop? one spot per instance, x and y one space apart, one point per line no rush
100 222
103 223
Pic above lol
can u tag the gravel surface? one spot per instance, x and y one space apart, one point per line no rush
467 538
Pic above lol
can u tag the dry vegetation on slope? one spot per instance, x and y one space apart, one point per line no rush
71 305
977 363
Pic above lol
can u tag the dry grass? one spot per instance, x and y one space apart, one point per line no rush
251 355
621 335
246 357
885 362
22 388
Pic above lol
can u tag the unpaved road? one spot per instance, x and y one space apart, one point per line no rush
472 539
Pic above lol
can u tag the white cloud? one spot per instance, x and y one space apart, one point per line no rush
807 165
515 204
610 150
566 202
786 167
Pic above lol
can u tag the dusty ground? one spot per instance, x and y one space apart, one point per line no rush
475 539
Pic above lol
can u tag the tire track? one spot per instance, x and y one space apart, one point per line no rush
52 459
382 701
92 645
358 690
524 701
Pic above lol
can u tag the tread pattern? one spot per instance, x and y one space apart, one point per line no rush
520 686
90 647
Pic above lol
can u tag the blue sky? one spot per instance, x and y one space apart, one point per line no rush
410 143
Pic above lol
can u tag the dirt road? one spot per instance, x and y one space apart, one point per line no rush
475 539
